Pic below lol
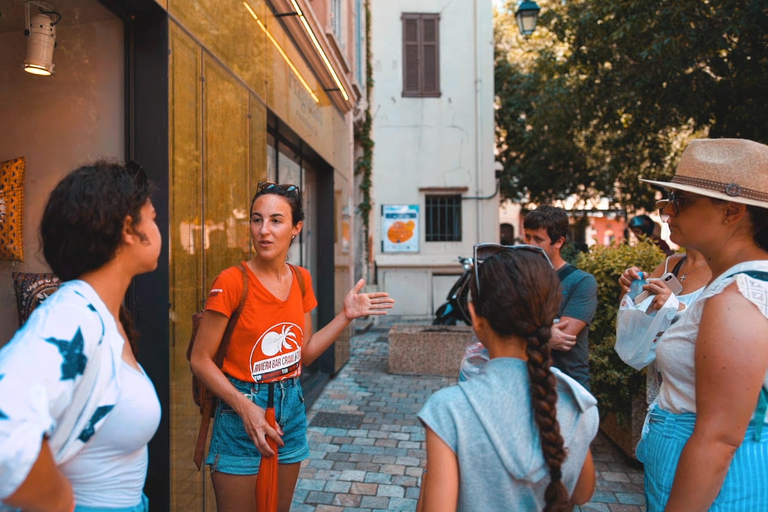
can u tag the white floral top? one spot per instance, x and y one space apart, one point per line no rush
41 372
675 351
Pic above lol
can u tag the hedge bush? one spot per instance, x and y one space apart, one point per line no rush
614 383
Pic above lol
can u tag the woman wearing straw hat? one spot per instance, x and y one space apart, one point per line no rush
707 448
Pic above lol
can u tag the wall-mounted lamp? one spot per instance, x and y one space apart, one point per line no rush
319 49
41 38
282 52
527 14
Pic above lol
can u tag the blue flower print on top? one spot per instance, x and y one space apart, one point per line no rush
90 429
72 352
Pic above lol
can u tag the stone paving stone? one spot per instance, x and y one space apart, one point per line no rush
336 486
378 466
381 502
391 491
347 500
319 497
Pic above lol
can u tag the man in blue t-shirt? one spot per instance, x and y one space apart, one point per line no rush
547 227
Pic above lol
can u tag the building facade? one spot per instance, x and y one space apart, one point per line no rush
434 190
210 97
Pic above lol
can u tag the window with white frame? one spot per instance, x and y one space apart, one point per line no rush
337 21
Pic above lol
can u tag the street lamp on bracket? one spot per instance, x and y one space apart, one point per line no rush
527 14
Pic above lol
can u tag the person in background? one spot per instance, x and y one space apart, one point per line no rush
707 448
76 408
271 341
547 227
517 435
692 271
644 226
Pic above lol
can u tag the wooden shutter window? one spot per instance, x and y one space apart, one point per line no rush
411 68
421 55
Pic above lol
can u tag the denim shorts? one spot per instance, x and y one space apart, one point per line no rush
232 450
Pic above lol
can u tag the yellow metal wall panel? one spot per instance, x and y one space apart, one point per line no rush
226 190
232 35
258 158
186 255
229 32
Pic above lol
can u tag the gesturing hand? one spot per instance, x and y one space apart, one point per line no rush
357 305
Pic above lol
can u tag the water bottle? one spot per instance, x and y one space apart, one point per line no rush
637 286
475 358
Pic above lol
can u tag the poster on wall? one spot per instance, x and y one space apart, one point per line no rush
400 228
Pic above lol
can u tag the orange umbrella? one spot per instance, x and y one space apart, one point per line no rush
266 480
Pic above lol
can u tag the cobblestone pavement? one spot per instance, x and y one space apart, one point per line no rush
367 446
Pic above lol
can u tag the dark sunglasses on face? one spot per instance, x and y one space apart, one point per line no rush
484 252
676 200
285 187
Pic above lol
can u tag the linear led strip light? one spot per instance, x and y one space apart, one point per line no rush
279 49
320 49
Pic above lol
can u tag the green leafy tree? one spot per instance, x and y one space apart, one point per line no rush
606 92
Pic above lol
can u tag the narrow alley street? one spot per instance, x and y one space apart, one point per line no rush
368 446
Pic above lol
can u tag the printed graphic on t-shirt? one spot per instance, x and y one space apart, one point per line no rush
277 349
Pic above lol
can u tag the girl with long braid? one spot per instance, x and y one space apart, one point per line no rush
517 436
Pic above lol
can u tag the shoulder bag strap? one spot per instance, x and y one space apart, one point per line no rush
222 350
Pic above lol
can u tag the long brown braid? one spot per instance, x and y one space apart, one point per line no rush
521 297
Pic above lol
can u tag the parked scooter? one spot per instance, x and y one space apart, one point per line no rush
454 309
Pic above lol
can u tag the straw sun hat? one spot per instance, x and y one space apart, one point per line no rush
729 169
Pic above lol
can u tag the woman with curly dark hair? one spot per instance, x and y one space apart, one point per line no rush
517 436
77 409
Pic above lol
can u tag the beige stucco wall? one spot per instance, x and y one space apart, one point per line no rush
57 123
444 142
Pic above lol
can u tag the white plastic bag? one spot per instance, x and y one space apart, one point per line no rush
637 331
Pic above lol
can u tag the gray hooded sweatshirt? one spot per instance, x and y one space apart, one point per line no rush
488 423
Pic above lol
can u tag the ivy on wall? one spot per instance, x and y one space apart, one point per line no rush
364 164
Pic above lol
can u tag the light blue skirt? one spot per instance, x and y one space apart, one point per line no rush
745 487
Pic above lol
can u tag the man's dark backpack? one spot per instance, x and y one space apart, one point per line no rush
202 396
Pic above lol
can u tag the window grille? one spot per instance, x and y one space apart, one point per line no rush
443 218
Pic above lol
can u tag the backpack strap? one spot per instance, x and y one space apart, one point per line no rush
300 278
224 345
568 270
218 359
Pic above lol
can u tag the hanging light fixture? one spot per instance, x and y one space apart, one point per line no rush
41 38
527 14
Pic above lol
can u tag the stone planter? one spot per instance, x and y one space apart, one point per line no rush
427 349
626 435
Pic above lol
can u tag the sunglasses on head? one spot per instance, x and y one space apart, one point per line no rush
285 187
484 252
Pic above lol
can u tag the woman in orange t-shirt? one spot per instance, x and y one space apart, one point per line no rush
272 340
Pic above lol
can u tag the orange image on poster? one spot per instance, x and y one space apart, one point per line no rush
400 231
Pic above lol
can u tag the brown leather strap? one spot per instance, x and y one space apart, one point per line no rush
224 345
221 352
202 435
300 278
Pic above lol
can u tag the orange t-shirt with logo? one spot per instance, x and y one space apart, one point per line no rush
266 342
